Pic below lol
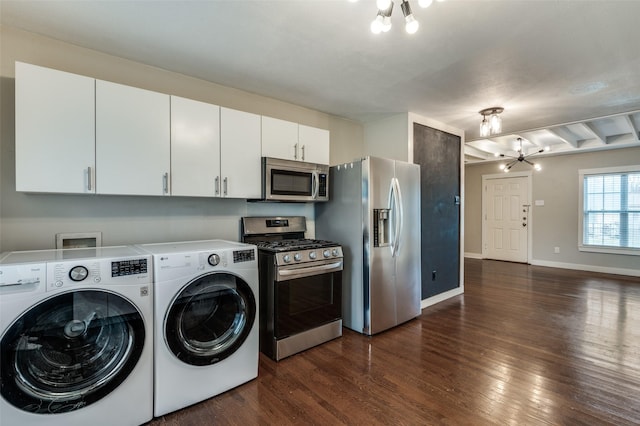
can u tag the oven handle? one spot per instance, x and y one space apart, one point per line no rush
289 274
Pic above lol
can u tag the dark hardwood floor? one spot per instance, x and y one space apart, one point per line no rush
524 345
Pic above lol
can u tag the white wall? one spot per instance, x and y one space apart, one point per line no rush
387 137
30 221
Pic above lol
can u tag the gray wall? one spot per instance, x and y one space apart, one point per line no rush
30 221
556 223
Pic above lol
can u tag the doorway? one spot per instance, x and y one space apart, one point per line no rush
506 217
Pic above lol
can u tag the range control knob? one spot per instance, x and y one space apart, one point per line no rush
326 253
297 257
286 258
335 252
312 255
214 259
78 273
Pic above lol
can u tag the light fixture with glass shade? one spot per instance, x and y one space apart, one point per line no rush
491 123
521 158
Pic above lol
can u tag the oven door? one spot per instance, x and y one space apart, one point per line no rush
307 297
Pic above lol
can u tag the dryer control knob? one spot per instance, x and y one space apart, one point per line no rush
214 259
78 273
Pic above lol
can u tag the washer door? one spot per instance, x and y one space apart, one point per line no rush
70 351
210 318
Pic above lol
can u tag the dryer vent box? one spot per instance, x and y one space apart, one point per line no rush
78 240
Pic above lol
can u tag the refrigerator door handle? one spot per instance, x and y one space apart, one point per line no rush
398 216
395 204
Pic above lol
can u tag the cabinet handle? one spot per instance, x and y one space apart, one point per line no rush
302 152
295 152
165 183
225 186
217 185
89 179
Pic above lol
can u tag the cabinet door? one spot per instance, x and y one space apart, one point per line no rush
132 140
195 148
241 168
280 139
55 130
313 144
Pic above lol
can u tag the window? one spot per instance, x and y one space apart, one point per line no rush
610 210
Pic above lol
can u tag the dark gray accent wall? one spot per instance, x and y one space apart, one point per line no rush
438 154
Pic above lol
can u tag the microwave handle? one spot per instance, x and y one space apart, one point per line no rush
314 185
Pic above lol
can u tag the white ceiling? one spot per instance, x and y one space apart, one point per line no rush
547 62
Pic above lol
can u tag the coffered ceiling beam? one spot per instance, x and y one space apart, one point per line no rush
564 135
632 125
592 129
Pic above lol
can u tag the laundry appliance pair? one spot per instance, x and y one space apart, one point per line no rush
118 335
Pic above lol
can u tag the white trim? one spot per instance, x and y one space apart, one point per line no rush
590 268
605 170
595 248
610 250
425 303
470 255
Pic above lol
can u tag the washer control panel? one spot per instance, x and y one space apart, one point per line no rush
68 273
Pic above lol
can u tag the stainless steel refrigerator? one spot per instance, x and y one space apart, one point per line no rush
374 213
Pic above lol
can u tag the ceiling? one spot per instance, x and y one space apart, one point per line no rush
547 63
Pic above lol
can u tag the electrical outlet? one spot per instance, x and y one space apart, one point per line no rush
556 249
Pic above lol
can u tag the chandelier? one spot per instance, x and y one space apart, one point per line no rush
522 158
492 125
382 22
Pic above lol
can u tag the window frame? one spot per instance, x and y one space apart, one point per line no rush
581 218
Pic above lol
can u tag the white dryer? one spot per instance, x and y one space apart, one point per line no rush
206 329
76 329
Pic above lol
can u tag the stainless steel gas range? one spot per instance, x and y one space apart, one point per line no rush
300 285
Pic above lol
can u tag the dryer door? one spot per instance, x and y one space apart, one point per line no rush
70 351
210 318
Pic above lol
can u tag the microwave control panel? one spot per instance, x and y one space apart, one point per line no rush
322 184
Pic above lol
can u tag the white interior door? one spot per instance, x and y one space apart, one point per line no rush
506 219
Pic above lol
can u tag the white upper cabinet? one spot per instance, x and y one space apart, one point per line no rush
314 144
241 165
293 141
195 148
279 138
55 130
132 140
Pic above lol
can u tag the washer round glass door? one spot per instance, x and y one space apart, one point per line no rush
210 318
70 351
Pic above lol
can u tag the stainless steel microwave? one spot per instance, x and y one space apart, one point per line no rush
296 181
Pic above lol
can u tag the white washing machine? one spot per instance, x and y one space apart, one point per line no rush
206 311
76 329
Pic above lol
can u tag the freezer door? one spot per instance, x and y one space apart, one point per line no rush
407 259
379 265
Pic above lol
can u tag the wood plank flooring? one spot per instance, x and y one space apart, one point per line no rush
524 345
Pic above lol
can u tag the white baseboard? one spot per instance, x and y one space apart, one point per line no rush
441 297
590 268
576 266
